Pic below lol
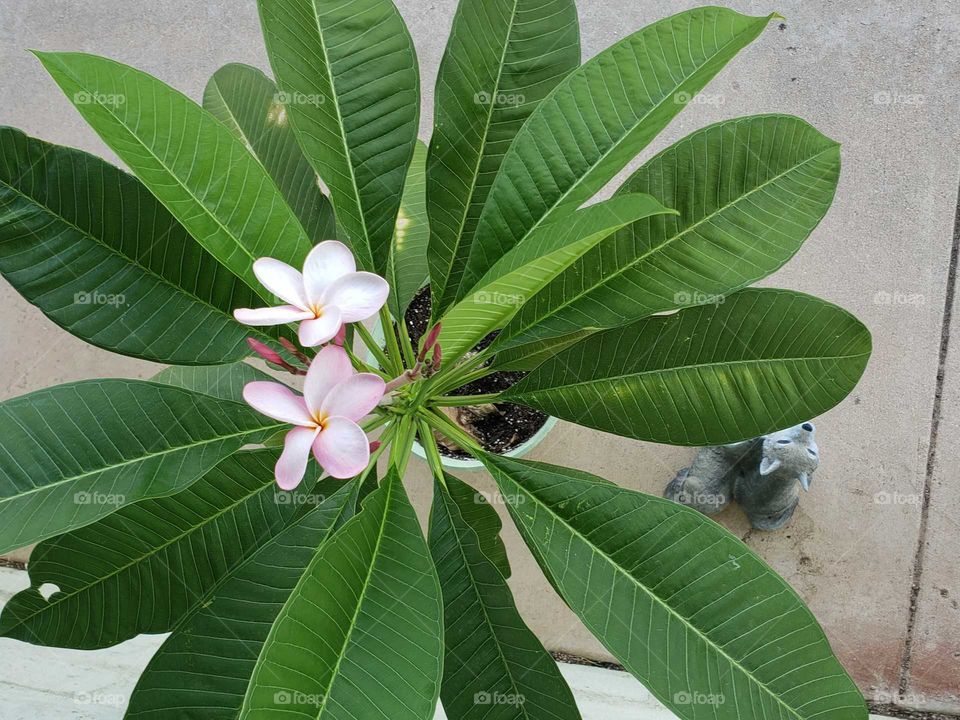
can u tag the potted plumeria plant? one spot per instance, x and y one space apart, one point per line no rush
297 225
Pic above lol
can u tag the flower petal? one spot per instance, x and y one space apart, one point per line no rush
328 369
282 280
271 315
319 330
358 295
327 262
293 460
341 448
277 401
355 397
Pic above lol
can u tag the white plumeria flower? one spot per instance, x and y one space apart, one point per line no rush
327 294
334 399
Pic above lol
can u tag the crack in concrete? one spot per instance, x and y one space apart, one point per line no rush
919 556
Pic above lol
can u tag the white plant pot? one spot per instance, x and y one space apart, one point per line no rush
472 464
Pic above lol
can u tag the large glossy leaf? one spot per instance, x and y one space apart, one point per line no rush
531 355
140 570
502 58
222 381
348 72
407 266
598 119
494 666
760 361
74 453
687 608
749 192
530 266
249 104
203 669
191 162
94 250
361 635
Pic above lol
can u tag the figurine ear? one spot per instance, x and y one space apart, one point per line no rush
767 465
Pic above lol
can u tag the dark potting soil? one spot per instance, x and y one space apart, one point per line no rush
498 427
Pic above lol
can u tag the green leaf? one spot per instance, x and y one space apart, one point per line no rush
74 453
249 104
531 265
140 570
222 381
94 250
348 72
205 665
494 666
190 161
531 355
407 268
761 361
361 635
598 119
687 608
749 192
503 58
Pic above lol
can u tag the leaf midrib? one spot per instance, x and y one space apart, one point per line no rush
141 459
693 366
480 156
605 279
196 200
381 532
109 248
640 121
151 552
633 581
473 583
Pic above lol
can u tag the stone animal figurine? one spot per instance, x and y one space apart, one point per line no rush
764 475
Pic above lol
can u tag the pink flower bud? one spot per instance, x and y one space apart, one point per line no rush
265 351
437 356
341 337
429 341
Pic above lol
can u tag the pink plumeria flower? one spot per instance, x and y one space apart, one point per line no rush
328 293
334 399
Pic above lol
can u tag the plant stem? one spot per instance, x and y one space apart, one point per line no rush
403 446
409 354
432 452
439 421
374 348
459 375
458 400
393 349
362 366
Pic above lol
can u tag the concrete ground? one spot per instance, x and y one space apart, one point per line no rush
873 547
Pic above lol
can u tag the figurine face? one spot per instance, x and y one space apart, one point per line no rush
793 451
